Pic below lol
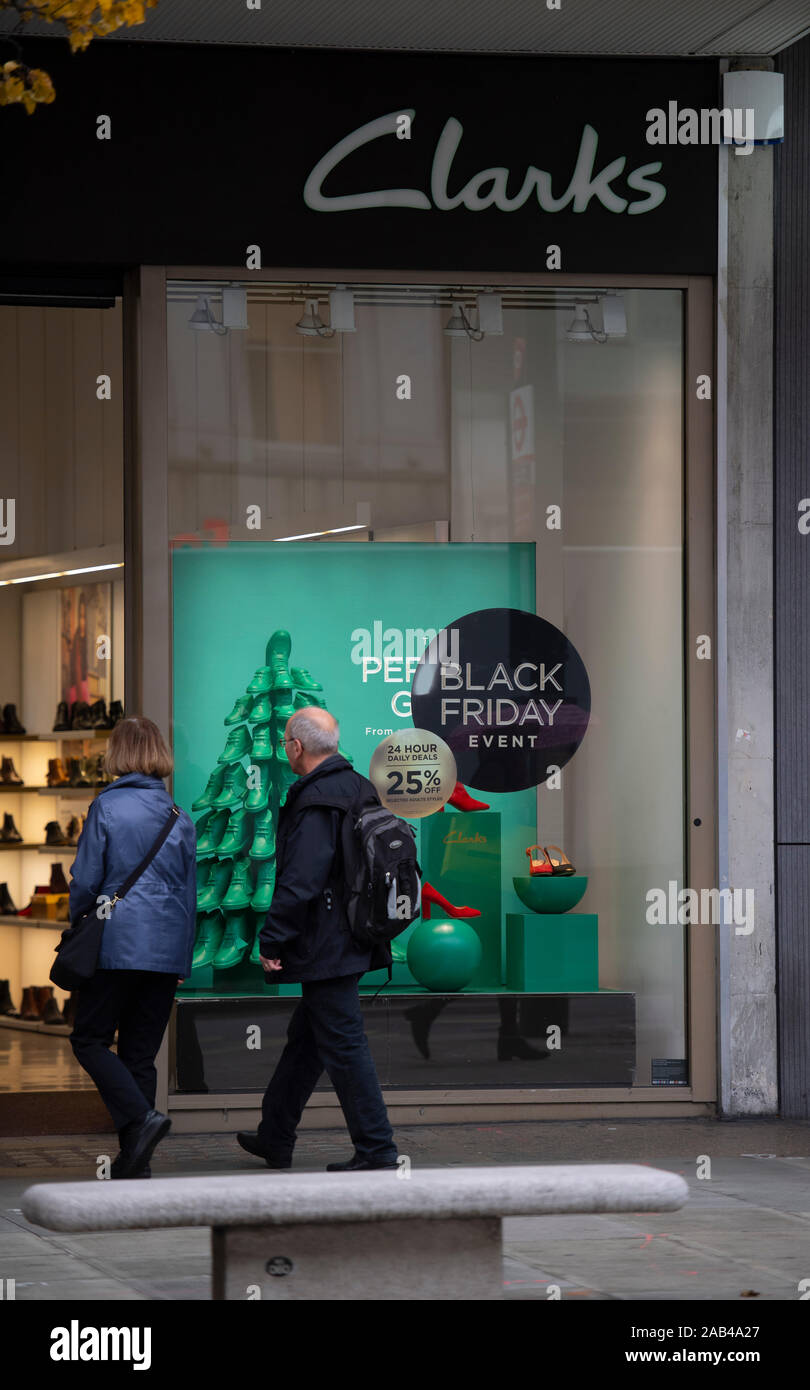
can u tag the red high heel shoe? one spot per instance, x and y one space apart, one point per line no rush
536 864
430 896
462 800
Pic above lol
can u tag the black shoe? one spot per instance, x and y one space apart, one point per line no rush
9 834
80 715
99 716
9 774
62 720
140 1139
516 1046
11 724
7 908
7 1009
357 1165
54 834
250 1143
116 712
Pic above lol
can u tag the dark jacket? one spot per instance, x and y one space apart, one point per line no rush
306 927
152 928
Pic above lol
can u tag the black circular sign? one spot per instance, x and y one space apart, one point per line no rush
508 692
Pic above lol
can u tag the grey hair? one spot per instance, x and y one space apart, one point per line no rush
313 736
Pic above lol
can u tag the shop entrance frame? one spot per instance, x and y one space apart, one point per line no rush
148 666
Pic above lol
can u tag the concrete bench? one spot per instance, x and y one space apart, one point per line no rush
435 1234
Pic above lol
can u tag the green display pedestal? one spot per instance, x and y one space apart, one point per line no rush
550 952
461 858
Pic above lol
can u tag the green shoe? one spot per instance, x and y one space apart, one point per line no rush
264 837
235 941
215 825
240 711
212 790
261 749
233 787
236 746
258 796
207 942
261 711
240 888
303 680
283 711
262 681
256 950
277 652
216 885
265 883
237 836
347 756
302 702
282 682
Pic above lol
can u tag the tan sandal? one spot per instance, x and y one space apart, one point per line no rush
562 864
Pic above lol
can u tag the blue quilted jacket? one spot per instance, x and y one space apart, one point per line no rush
152 928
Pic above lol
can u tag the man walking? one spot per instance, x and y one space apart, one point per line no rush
306 939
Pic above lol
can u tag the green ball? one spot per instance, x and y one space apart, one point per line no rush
444 955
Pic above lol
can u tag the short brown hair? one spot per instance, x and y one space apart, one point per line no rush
137 745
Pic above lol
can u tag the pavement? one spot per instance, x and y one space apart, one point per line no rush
744 1234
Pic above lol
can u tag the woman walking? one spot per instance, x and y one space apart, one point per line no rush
148 934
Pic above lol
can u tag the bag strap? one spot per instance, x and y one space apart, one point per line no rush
165 831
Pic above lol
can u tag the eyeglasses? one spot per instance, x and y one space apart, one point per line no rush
283 741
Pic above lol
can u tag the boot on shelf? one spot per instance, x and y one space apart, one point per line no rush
54 834
7 908
80 715
30 1006
7 1009
99 717
57 773
72 831
58 883
9 775
11 724
62 721
79 769
116 712
430 896
99 773
48 1007
9 834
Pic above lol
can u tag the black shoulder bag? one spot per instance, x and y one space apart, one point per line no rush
79 945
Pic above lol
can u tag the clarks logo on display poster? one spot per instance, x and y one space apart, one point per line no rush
513 707
488 187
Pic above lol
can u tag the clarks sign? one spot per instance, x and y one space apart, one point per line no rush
489 187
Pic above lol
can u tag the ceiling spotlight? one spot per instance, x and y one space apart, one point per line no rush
581 330
202 318
310 324
462 325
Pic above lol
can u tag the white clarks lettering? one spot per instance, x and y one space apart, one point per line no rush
489 187
75 1343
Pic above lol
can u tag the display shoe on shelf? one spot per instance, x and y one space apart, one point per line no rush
261 749
233 787
116 713
265 883
58 883
29 1009
240 888
7 1009
235 940
98 772
302 679
237 745
283 683
217 878
62 721
261 682
259 794
11 724
54 834
210 830
69 1009
430 897
9 775
282 711
264 837
560 863
240 711
302 701
99 717
210 930
212 790
237 836
7 908
261 710
48 1007
73 830
80 715
83 772
277 651
9 834
57 776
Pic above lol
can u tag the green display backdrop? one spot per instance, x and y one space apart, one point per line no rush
359 616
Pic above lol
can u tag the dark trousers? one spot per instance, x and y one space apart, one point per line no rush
326 1033
138 1003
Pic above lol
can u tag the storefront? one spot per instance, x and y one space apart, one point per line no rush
422 378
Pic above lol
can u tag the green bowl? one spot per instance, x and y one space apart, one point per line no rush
551 892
